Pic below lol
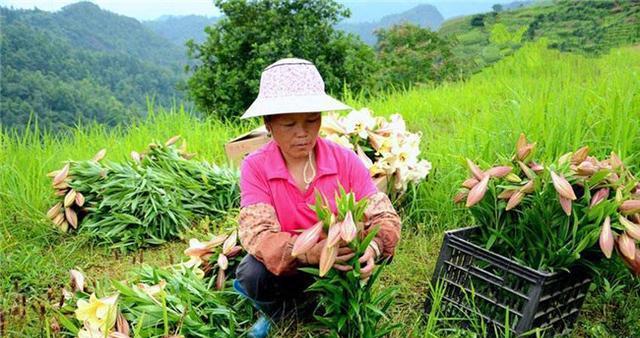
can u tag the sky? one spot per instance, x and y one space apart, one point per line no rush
152 9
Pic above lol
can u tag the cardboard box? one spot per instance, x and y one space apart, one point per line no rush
244 144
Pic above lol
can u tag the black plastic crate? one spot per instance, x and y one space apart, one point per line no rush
486 286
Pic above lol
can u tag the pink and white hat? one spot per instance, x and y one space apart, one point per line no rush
292 86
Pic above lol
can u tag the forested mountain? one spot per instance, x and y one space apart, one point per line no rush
179 29
82 63
422 15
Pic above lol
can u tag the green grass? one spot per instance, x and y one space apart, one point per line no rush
561 101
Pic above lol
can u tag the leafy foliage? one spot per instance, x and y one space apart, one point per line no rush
410 54
254 34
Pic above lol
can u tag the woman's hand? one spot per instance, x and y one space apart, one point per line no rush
367 260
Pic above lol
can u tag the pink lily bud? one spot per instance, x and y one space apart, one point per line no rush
565 158
630 207
349 230
220 280
632 229
599 196
328 257
506 194
223 262
307 239
234 251
500 171
615 160
525 151
586 169
562 186
469 183
527 188
580 155
475 170
514 200
333 237
522 142
565 203
627 247
477 193
606 238
459 197
536 167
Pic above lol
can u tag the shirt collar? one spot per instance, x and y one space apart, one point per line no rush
325 160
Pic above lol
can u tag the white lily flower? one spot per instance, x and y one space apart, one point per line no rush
359 122
341 140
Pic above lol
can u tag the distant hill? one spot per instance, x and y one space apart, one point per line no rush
179 29
82 63
422 15
589 27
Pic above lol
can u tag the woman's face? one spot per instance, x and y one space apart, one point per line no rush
295 133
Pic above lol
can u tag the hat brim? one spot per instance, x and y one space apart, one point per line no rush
293 104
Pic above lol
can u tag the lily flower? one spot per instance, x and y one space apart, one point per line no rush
606 238
97 311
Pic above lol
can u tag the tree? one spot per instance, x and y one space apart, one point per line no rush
410 54
254 34
497 8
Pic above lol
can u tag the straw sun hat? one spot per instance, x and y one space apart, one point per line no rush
292 86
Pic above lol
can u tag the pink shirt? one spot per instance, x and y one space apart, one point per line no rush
264 178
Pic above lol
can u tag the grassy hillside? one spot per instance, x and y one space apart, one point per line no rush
589 27
560 100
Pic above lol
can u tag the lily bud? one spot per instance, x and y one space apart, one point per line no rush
230 242
234 251
513 178
506 194
565 203
615 160
525 151
527 188
499 171
527 171
586 169
459 197
536 167
606 238
477 193
580 155
469 183
599 196
328 257
220 280
514 200
60 176
629 207
632 229
333 237
627 246
522 142
223 262
475 170
77 280
172 140
307 239
100 155
562 186
349 230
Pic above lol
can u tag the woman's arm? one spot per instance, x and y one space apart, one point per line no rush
259 233
380 213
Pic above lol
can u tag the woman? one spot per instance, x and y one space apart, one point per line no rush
279 181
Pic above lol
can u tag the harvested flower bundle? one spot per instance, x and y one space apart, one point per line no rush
547 216
386 147
147 200
348 305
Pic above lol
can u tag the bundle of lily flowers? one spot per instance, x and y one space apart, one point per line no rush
596 190
386 147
